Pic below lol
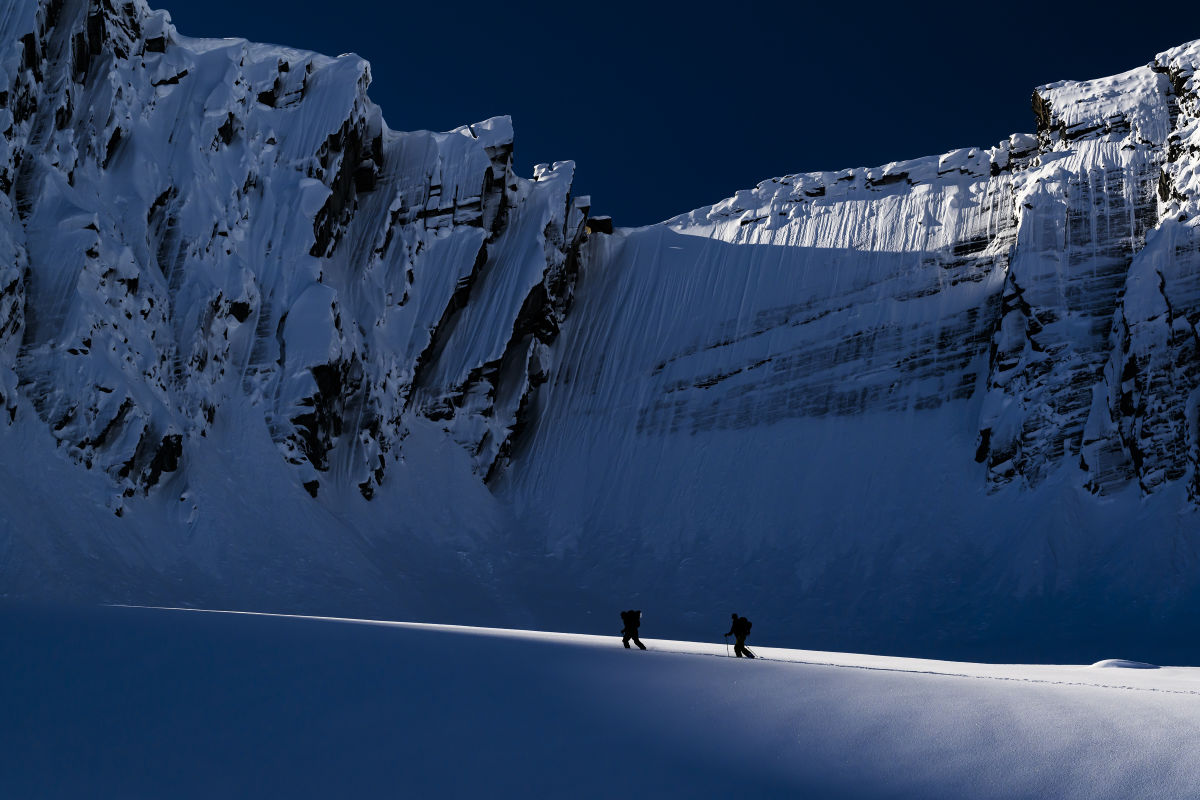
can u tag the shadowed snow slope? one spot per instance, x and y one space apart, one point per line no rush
125 702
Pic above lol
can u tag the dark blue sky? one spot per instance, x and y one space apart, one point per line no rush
666 107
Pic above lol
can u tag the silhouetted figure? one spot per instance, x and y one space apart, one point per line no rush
632 620
740 629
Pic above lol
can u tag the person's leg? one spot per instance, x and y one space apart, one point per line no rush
737 648
638 642
625 641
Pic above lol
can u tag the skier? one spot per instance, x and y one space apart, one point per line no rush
632 620
740 629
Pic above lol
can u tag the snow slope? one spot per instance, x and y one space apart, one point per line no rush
139 702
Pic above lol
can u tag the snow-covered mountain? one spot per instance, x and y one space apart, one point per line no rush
943 395
258 349
194 221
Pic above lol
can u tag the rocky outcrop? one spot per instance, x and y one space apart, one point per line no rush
1148 398
489 353
196 224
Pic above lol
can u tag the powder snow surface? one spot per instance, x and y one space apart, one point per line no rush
155 703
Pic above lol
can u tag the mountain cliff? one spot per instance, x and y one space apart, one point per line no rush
949 399
258 349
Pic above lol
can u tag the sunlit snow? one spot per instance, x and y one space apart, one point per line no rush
130 702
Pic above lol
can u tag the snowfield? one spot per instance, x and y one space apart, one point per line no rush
129 702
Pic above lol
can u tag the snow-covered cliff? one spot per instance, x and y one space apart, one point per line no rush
197 221
947 399
271 349
213 238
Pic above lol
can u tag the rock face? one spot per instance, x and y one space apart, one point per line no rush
239 314
189 223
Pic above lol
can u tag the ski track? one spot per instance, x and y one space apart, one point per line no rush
663 646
